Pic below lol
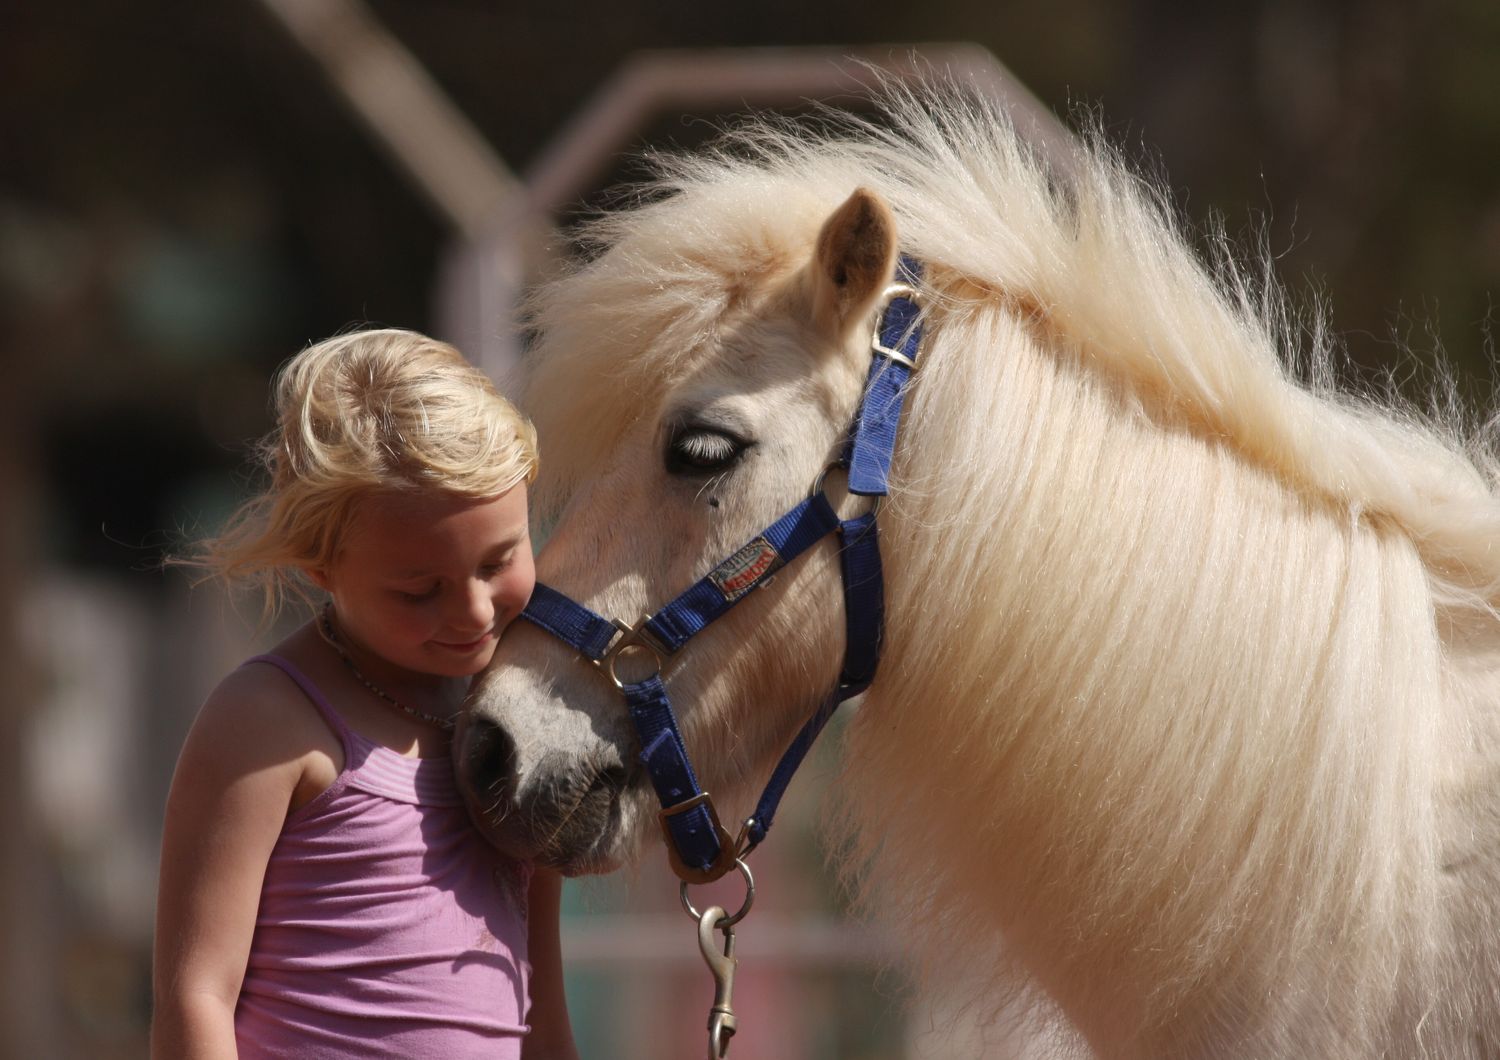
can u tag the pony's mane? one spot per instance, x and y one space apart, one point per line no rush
1098 258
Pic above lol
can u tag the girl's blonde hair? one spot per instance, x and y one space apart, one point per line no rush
370 411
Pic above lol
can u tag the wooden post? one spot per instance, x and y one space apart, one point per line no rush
29 1003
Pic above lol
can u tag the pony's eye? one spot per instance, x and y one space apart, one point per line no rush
694 450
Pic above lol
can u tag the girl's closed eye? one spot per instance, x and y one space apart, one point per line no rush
498 565
418 595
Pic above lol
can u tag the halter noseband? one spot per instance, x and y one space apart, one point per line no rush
699 847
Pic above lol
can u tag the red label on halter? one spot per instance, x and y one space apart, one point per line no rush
738 574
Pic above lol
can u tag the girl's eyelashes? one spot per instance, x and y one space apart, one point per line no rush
486 572
499 566
418 596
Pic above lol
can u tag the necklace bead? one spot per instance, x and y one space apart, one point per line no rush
325 627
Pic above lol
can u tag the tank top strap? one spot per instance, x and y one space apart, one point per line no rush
315 694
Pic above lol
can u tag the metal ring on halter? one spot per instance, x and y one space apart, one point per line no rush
730 921
609 666
818 486
636 636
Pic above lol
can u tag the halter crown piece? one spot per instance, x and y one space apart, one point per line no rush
699 847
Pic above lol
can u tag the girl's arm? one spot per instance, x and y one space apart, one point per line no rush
235 779
551 1036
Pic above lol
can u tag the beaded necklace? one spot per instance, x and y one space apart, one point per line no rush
325 627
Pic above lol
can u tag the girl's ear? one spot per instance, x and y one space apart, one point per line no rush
318 577
855 255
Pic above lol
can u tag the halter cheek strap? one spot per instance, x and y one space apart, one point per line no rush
698 845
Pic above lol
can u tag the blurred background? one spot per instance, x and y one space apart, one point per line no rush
189 193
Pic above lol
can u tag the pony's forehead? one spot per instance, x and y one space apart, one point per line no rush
674 274
674 281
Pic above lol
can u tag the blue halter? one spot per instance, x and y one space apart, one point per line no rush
699 847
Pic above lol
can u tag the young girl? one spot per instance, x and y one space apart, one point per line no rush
323 894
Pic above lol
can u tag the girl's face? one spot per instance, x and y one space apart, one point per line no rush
427 581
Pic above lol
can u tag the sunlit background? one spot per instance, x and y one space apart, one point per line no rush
188 196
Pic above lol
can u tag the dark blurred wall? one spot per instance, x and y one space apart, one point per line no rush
183 202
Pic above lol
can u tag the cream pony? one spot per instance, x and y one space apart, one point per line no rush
1188 724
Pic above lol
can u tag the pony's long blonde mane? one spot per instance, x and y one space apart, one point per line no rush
1098 252
1216 695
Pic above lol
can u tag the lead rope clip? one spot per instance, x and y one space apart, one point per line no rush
721 1020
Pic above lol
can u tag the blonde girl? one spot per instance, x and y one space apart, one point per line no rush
322 893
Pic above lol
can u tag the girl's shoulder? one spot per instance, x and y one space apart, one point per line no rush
259 718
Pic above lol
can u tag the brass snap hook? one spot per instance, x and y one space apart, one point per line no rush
721 1019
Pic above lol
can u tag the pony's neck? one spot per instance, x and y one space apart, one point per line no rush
1146 711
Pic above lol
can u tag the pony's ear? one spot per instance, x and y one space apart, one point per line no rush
852 264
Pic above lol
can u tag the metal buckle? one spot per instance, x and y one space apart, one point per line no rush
632 637
890 294
689 873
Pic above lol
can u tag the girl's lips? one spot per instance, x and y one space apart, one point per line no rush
466 645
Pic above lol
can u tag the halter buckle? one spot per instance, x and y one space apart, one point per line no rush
889 295
727 853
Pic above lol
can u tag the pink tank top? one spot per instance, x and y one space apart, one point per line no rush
387 926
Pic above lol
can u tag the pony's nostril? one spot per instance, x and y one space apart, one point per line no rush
614 778
489 759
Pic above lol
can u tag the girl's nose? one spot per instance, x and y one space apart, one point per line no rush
477 608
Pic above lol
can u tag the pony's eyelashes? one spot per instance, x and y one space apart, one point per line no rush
697 450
